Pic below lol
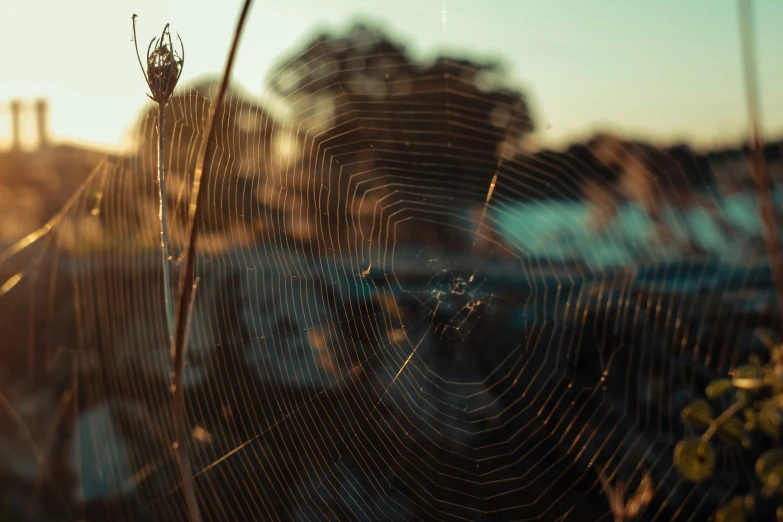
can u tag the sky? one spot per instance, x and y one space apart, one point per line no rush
665 70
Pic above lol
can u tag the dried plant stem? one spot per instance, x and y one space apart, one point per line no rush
622 508
186 283
164 231
766 201
180 446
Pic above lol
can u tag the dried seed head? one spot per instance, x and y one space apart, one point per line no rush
164 64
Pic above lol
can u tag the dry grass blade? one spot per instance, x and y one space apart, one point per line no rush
186 285
759 170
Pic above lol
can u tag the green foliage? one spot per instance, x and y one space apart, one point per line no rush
758 394
698 413
769 470
718 388
748 377
769 417
732 431
695 458
735 510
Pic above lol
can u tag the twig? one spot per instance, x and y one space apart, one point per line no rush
164 68
186 286
759 171
180 446
191 305
621 508
164 236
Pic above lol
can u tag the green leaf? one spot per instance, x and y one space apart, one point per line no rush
718 387
772 484
769 470
733 430
694 459
697 413
732 511
748 377
769 417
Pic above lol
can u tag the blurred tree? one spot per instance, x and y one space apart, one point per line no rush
242 137
373 126
660 181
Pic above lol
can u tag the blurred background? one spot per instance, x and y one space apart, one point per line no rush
662 72
653 73
457 260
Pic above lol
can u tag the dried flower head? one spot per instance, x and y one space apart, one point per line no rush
164 64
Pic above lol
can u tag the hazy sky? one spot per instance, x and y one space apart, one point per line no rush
668 69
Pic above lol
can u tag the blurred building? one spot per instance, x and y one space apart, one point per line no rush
21 111
37 178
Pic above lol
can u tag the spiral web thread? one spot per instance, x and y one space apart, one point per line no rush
401 314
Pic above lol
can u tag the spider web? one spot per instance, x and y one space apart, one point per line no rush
402 313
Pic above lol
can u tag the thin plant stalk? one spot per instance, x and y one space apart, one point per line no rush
180 446
186 284
164 68
766 201
168 298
